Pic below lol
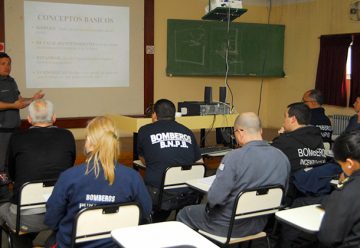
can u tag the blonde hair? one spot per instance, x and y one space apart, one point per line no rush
104 139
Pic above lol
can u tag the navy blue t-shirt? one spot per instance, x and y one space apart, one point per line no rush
165 143
76 190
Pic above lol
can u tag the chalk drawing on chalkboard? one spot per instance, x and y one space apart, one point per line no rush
189 46
234 53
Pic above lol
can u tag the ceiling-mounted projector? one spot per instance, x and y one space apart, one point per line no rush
236 4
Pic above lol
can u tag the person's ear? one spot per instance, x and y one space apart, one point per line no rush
53 118
350 163
154 117
29 119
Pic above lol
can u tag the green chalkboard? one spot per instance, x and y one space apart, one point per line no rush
198 48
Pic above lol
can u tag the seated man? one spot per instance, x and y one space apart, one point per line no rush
354 122
41 152
255 164
302 143
314 99
164 143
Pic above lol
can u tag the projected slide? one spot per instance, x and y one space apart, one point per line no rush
73 45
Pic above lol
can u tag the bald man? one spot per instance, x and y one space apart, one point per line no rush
255 164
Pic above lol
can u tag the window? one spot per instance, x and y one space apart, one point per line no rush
336 77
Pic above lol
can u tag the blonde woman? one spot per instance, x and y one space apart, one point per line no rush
101 180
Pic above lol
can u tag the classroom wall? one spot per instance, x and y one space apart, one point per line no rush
245 90
305 21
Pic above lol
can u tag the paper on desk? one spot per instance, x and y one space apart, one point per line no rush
208 180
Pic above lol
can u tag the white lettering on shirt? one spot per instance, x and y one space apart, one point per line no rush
307 152
100 198
171 139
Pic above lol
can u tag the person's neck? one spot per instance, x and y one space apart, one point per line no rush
297 126
253 137
315 106
46 124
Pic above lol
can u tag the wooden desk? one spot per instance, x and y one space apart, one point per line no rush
164 234
133 124
307 218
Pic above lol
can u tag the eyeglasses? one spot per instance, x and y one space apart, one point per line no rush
236 130
239 130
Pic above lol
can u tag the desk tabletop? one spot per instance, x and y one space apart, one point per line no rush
138 164
164 234
201 184
307 218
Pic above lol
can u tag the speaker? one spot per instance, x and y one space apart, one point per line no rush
222 94
208 95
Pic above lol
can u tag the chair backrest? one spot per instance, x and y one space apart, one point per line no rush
256 202
176 176
97 222
259 201
33 195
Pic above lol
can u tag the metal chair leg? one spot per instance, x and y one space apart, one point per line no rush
268 241
10 242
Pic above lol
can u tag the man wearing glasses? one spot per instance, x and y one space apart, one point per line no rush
253 165
314 99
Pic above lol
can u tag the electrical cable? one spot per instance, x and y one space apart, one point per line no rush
227 59
264 61
208 131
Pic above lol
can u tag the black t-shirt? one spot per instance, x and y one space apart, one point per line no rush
165 143
39 153
9 118
303 146
320 120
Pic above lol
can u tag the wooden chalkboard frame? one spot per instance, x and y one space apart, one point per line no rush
198 48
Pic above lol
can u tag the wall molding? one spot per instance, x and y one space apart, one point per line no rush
71 122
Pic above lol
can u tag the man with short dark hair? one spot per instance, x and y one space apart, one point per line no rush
10 103
253 165
164 143
302 143
41 152
314 99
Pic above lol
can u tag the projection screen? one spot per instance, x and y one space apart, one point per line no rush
86 55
